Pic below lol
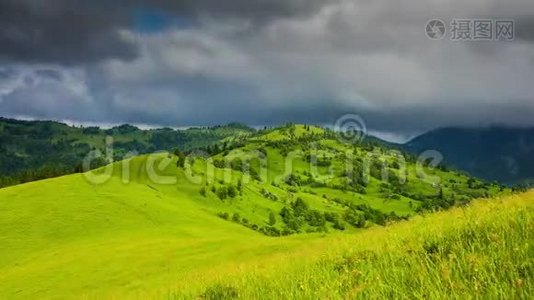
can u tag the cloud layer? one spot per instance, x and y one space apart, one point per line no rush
264 62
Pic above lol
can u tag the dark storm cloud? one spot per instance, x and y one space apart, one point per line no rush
259 9
62 31
76 32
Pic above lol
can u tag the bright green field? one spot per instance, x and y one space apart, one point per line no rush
65 238
484 251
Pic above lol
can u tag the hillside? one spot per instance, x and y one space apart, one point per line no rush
159 222
32 150
301 178
362 184
496 153
64 238
482 251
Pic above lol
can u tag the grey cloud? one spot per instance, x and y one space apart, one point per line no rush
352 57
524 27
49 73
61 31
257 10
78 32
6 73
49 93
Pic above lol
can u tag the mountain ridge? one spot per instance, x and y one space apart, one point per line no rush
501 153
497 153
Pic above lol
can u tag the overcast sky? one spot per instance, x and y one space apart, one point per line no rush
182 63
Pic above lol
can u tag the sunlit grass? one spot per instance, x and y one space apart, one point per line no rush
482 251
65 237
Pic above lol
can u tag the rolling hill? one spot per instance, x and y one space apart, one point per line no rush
170 226
33 150
496 153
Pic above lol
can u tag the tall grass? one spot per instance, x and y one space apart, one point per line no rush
483 251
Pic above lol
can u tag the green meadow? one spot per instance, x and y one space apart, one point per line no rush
483 251
64 238
248 223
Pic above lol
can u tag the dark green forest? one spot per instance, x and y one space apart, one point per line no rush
34 150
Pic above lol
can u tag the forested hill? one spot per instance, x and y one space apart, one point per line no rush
32 150
494 153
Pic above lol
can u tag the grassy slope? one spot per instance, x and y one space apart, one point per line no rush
482 251
63 237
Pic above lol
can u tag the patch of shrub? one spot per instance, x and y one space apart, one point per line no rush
265 193
231 191
224 215
236 217
220 292
222 192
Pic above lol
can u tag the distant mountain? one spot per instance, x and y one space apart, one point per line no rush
33 150
495 153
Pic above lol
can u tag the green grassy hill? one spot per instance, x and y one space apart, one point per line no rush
64 238
158 229
356 185
33 150
481 251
